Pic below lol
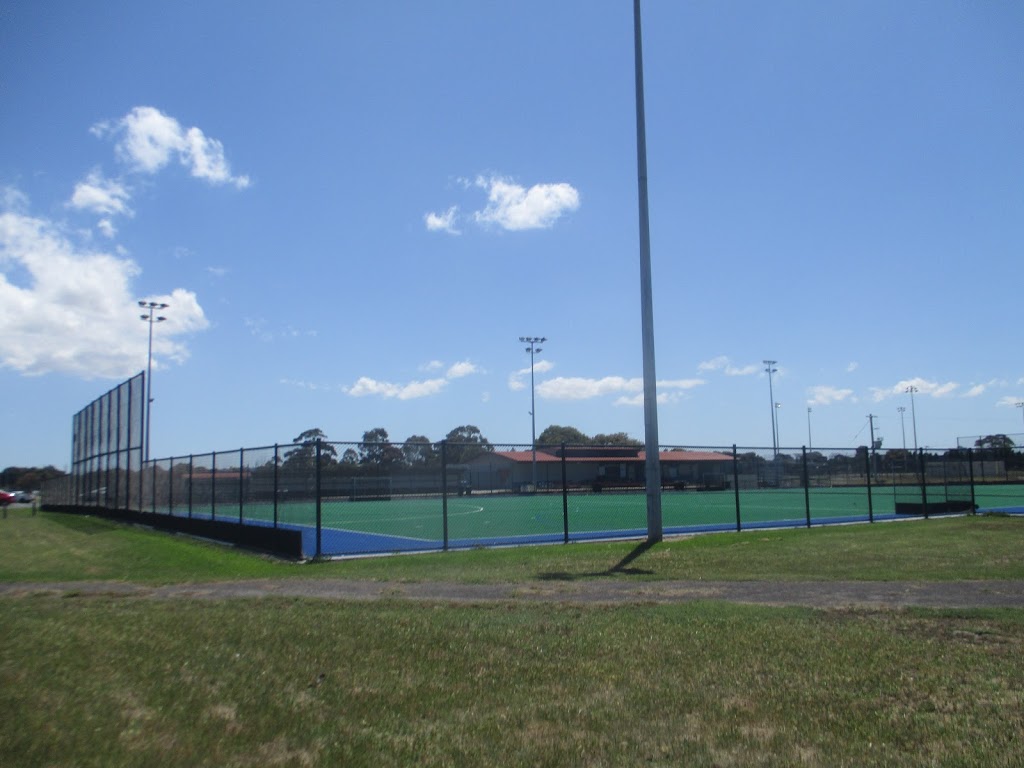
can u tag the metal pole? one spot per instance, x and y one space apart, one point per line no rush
736 485
444 493
807 487
319 508
150 306
771 395
565 500
913 413
810 445
652 460
533 341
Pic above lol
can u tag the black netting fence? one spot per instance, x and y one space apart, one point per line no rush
106 452
359 498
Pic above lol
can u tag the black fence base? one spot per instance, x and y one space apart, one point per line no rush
283 542
933 507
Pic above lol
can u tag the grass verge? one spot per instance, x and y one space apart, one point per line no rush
102 682
57 547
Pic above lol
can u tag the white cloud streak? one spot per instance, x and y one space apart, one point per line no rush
517 379
922 387
100 195
443 222
578 388
148 140
824 395
723 364
368 387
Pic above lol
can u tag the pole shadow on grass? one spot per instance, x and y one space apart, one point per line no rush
621 568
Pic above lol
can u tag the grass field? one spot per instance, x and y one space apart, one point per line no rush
104 681
411 523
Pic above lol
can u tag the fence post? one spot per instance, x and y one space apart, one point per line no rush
213 485
275 484
867 467
241 485
565 500
190 469
444 492
807 486
319 511
924 482
170 486
152 495
970 469
736 484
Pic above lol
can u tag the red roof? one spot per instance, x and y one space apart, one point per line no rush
665 456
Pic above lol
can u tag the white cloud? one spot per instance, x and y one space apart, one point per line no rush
852 367
443 222
722 363
715 364
921 386
516 380
823 395
149 140
577 388
433 365
514 207
465 368
1010 400
979 389
367 387
100 195
107 228
74 311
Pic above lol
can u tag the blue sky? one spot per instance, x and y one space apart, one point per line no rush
356 209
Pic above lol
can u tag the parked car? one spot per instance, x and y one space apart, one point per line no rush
6 498
24 497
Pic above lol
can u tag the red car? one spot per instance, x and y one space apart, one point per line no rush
6 498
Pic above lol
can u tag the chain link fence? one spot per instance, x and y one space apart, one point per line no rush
360 498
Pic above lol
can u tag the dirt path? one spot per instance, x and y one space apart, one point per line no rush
816 594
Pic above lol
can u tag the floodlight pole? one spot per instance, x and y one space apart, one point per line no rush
903 427
652 460
913 412
770 369
1021 406
810 445
151 306
533 341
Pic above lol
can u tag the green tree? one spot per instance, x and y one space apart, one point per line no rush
466 442
377 449
616 438
556 435
304 454
418 451
1001 445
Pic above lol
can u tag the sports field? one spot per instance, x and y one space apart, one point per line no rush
410 523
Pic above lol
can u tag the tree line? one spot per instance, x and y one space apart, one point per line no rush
377 450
